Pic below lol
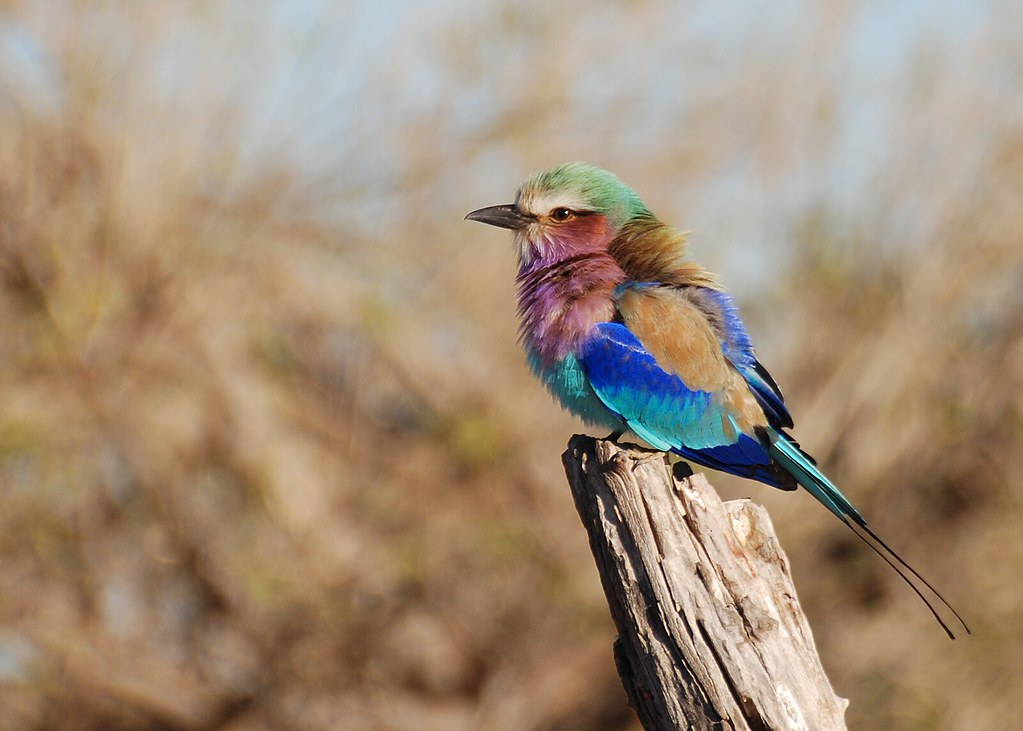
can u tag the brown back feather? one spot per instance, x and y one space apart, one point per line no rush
651 251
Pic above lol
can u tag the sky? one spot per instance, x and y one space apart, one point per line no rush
754 113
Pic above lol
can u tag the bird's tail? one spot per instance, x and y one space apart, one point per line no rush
786 452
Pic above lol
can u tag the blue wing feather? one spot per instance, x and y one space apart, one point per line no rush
738 349
767 394
663 411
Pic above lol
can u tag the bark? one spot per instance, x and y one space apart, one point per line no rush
711 634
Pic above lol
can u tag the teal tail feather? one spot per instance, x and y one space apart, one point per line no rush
801 466
786 452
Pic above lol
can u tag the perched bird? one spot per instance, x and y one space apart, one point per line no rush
632 335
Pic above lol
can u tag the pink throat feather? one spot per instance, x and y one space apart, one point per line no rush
560 302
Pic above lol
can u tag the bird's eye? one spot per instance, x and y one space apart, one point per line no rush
561 214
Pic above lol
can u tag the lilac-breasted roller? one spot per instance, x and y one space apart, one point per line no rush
632 335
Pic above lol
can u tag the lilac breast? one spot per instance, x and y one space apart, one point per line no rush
559 302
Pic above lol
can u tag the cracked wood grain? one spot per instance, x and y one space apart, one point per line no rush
710 632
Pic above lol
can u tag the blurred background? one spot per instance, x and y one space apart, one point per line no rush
269 454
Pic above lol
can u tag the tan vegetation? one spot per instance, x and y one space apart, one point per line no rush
269 455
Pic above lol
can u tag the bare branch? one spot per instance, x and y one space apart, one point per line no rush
711 634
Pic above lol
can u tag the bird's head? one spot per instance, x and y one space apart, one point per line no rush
570 209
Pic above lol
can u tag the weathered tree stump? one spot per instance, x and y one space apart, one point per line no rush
710 632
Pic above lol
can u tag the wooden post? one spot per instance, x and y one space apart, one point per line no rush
710 633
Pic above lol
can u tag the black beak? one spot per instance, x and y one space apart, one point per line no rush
507 216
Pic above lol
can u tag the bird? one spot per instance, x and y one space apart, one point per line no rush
631 334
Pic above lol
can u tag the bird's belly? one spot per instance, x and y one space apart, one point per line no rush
567 382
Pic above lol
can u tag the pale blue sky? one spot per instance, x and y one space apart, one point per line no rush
805 105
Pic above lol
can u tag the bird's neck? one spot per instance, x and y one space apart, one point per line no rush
651 251
561 300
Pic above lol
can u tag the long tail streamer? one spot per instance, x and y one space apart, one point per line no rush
788 454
